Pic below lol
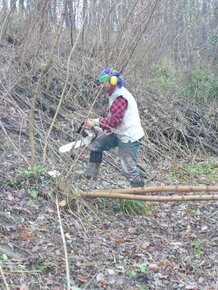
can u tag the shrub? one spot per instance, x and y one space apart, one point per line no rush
201 84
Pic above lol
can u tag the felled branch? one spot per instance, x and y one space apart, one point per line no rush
137 193
166 188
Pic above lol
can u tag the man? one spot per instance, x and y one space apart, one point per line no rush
121 128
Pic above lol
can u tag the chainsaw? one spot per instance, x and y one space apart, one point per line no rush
88 136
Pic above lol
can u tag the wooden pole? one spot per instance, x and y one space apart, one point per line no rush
165 188
139 193
118 195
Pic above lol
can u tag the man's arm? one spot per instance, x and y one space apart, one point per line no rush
117 112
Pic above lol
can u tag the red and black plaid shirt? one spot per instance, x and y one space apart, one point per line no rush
117 112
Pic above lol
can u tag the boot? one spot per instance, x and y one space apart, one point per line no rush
91 170
139 183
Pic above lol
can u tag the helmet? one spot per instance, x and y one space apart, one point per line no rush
112 76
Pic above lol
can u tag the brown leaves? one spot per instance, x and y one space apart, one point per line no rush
21 287
9 196
117 241
145 245
101 280
153 267
25 233
83 278
63 204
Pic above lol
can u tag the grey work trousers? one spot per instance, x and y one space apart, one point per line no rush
128 153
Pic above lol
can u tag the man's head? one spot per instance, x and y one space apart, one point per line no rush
110 79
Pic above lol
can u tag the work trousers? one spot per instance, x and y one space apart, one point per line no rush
128 153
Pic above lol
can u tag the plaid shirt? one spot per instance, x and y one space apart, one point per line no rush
117 112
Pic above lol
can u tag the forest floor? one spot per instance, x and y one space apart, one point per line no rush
110 244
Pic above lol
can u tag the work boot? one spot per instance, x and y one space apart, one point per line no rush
91 170
139 183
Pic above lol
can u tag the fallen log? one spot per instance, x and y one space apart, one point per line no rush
165 188
137 193
117 195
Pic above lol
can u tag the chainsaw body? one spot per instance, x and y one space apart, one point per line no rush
88 136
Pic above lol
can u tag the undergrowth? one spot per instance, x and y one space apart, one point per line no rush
203 173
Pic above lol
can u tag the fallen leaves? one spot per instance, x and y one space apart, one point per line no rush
101 280
83 278
117 241
63 204
67 235
25 235
104 251
145 245
153 267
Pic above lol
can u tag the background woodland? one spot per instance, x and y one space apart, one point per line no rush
53 51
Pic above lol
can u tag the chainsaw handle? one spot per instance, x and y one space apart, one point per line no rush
79 127
95 132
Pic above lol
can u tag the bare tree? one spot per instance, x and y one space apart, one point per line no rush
5 6
21 6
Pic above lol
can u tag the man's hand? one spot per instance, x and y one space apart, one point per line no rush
89 124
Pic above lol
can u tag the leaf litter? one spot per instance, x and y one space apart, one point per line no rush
168 246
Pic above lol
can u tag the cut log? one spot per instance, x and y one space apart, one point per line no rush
139 193
165 188
117 195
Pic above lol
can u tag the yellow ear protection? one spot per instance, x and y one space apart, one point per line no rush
112 76
113 80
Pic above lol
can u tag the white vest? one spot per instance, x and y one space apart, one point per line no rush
130 128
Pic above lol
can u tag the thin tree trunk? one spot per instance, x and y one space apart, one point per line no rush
5 6
21 7
6 20
85 5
